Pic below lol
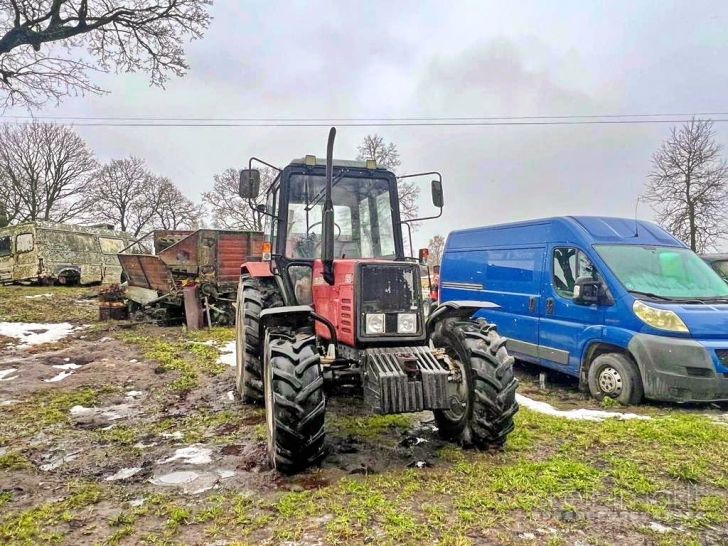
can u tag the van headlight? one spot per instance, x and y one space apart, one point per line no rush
406 323
374 323
663 319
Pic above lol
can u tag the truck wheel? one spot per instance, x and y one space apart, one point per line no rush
615 375
295 403
249 372
483 402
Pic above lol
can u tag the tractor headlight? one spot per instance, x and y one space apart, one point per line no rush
406 323
664 319
374 323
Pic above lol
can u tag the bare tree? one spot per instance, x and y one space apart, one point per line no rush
41 42
436 247
687 185
130 196
386 155
115 196
174 210
229 210
46 169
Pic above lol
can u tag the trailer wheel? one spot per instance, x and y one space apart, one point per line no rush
483 402
615 375
295 403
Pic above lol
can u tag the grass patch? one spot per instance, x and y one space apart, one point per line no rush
66 304
188 357
45 410
370 426
14 461
49 522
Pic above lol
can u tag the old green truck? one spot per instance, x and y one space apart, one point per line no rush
47 252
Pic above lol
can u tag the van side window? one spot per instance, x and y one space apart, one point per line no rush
24 243
569 265
5 246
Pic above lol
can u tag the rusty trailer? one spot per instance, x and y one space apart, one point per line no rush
193 279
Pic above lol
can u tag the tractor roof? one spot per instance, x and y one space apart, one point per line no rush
337 162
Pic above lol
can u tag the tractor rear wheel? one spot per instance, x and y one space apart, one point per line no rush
483 401
295 403
253 296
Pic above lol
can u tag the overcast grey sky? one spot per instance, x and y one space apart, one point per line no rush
376 59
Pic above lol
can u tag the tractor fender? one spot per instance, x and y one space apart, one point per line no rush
292 316
456 309
256 269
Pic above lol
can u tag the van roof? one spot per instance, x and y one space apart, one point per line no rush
586 230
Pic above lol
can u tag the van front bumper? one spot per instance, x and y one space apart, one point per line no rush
681 370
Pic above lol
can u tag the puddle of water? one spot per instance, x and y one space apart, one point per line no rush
195 454
191 482
60 377
70 366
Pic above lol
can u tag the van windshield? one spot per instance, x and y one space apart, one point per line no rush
666 272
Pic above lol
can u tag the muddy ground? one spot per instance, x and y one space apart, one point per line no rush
114 433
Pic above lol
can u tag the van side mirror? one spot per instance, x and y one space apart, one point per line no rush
437 197
249 186
424 256
587 291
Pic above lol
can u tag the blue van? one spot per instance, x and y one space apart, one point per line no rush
618 303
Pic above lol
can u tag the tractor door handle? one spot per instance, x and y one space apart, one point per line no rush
549 306
532 304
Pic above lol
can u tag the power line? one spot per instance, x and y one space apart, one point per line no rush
475 119
365 124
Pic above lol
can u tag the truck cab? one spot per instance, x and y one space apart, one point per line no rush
620 304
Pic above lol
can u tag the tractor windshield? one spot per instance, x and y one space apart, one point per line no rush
362 215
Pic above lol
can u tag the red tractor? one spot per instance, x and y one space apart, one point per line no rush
334 300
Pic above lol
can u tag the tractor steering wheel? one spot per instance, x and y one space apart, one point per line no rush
336 237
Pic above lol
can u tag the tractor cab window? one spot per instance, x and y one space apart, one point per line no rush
363 225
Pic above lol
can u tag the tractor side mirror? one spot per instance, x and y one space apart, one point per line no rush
586 291
249 186
424 256
437 198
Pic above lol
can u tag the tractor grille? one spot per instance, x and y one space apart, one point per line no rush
388 288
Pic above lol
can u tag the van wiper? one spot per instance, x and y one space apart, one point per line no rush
650 295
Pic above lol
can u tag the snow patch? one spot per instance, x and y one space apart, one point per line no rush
194 454
582 414
134 394
60 377
123 474
39 296
58 461
5 374
227 354
177 434
659 528
70 366
30 333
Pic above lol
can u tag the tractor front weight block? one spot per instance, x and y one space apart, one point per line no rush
404 380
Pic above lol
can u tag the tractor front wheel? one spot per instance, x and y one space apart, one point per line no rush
483 395
295 403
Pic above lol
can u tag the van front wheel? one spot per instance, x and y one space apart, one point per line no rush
615 376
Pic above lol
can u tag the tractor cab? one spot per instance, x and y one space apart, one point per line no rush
336 301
